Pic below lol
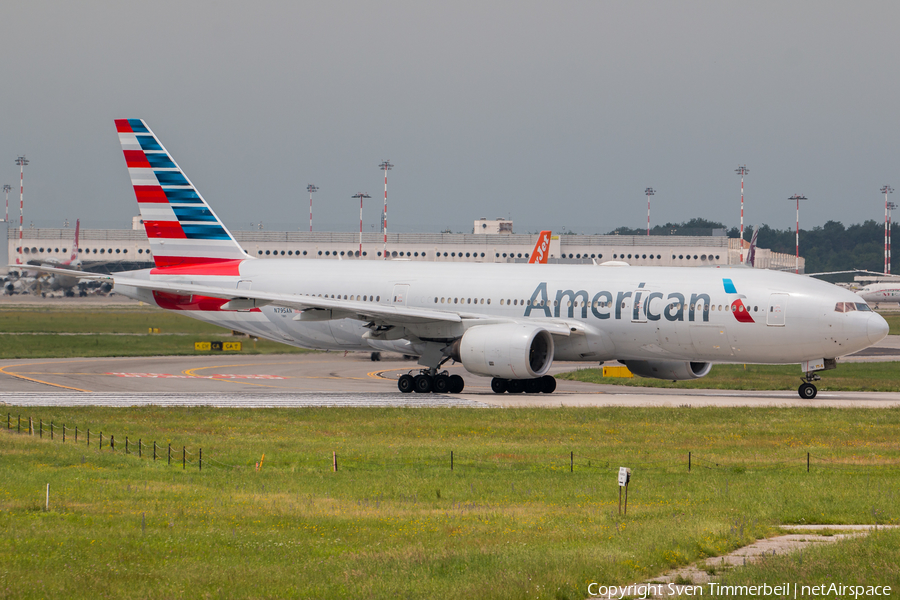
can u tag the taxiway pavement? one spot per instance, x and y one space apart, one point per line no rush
336 379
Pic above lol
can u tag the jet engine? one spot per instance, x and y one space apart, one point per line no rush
508 351
672 370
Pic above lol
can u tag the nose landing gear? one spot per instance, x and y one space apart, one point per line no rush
807 390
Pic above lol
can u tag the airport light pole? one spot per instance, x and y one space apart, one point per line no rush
886 190
385 166
890 206
21 161
742 170
311 188
649 191
360 195
798 198
6 189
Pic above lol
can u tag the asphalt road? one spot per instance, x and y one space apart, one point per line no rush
335 379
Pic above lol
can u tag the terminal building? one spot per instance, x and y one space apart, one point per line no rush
493 241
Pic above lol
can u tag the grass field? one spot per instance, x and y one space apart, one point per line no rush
870 377
62 333
509 521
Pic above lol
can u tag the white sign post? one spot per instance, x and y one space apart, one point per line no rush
624 478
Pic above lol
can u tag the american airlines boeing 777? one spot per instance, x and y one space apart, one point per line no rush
506 321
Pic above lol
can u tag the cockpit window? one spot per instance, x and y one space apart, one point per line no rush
851 306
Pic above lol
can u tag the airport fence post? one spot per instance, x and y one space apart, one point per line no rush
126 444
19 424
140 448
571 462
76 434
451 460
7 421
30 426
689 462
807 462
183 457
100 443
41 428
89 437
51 430
334 460
200 462
154 450
112 442
170 454
64 433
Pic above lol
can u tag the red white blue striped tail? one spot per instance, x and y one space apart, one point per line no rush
182 228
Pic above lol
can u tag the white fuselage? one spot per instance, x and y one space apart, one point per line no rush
880 292
626 313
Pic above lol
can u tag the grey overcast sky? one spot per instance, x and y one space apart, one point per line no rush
557 114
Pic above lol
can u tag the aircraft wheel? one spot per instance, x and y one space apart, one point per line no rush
422 384
515 386
808 391
498 385
405 383
548 384
441 384
533 386
457 384
375 356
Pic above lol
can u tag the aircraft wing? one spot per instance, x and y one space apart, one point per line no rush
247 299
853 271
320 309
60 271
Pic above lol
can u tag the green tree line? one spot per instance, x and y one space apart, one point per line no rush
830 247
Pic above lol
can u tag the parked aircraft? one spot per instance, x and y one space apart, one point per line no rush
62 281
880 292
506 321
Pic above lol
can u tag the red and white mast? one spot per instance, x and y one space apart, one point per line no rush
742 170
649 192
887 262
891 206
21 161
385 166
311 188
798 198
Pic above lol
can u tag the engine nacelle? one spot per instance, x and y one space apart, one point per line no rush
509 351
673 370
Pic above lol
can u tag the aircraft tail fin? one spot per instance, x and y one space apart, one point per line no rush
751 253
74 256
541 249
182 228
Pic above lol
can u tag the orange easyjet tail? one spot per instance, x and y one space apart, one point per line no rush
541 250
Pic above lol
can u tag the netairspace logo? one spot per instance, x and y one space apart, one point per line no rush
783 590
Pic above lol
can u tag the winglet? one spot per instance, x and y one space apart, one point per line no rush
182 228
541 249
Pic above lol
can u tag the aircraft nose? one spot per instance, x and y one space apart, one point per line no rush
877 328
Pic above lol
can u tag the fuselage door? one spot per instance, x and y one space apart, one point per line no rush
777 310
639 306
399 297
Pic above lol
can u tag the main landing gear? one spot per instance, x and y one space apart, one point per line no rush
807 389
425 382
545 384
